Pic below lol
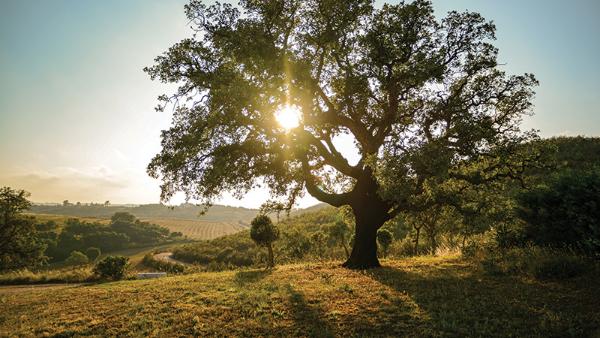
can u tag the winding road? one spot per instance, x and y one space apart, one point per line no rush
168 257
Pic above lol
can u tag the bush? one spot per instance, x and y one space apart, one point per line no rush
565 213
77 258
92 253
113 267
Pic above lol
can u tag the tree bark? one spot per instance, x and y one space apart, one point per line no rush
370 213
369 217
417 240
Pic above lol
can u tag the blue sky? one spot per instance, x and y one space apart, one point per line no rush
76 111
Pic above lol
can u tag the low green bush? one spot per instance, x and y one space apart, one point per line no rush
113 267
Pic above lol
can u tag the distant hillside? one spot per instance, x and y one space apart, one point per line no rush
216 213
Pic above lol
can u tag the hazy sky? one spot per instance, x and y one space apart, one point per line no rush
77 117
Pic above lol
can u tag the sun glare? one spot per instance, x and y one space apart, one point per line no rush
288 117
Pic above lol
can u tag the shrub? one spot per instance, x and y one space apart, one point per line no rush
77 258
113 267
92 253
565 213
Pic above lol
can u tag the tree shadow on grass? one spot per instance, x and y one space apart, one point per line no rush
472 304
309 318
250 276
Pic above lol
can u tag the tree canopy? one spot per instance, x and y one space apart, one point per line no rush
429 107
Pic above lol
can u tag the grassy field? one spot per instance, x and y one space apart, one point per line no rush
415 297
199 229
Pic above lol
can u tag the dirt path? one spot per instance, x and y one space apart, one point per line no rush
168 257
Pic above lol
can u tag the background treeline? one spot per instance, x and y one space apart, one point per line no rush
123 231
217 213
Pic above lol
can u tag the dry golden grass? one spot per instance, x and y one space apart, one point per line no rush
414 297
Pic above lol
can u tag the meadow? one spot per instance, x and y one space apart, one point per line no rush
421 297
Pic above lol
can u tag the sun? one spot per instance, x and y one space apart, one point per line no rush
288 117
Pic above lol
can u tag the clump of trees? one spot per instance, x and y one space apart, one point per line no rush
124 231
263 232
564 212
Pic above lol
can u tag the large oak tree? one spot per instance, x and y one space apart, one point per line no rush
430 109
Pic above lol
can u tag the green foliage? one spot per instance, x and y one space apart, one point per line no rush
124 231
77 258
20 244
565 212
92 253
295 244
113 267
384 238
263 232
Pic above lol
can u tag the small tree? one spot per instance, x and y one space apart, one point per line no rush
113 267
92 253
263 232
384 238
77 258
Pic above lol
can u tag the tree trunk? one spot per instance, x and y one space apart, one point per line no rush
417 241
271 259
369 216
